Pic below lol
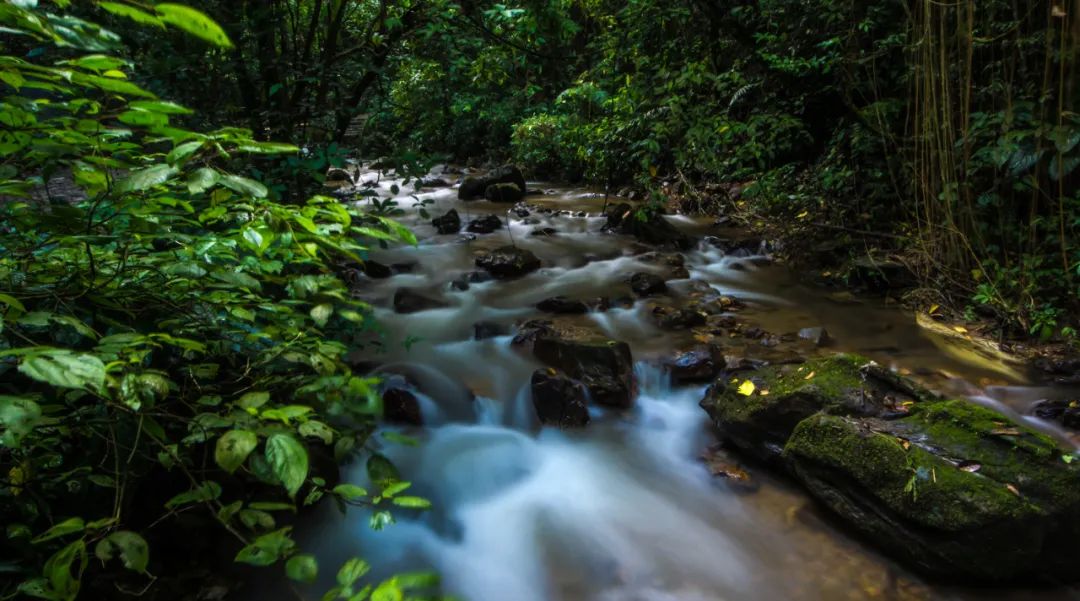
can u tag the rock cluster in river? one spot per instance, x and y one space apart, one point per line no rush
474 187
953 488
450 223
649 227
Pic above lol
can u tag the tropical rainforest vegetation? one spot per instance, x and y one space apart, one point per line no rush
175 292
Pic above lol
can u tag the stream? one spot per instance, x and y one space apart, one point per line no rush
624 509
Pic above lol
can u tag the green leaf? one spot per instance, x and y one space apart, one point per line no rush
245 186
135 14
395 488
267 549
289 461
233 449
65 369
412 502
350 492
253 400
388 591
267 147
128 546
202 180
317 429
183 152
64 528
58 571
207 491
145 179
18 416
320 314
194 22
353 570
381 470
13 302
302 568
163 107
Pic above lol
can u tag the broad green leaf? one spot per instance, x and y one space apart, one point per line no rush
289 461
317 429
353 570
65 369
202 180
58 571
388 590
245 186
183 152
267 549
253 400
135 14
128 546
68 526
233 449
147 178
412 502
18 416
207 491
11 301
320 314
349 492
267 148
194 22
160 106
302 568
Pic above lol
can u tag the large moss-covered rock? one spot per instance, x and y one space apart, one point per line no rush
782 396
955 489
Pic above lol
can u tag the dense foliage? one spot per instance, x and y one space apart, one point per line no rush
172 342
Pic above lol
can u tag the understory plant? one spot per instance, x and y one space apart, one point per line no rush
173 336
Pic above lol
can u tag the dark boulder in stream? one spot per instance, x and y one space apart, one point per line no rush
647 226
605 367
474 187
504 193
508 262
647 284
485 225
450 223
559 400
955 489
562 306
401 406
407 300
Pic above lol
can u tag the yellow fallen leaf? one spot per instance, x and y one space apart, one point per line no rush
802 215
960 329
747 388
1012 489
933 309
764 393
809 375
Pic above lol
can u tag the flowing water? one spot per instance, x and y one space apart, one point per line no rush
624 509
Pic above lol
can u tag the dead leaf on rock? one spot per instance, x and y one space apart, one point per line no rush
1012 489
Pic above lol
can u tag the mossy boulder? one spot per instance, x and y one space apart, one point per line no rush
605 367
955 489
504 192
761 422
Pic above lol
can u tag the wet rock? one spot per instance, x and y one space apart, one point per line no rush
504 193
485 224
467 238
1064 412
544 231
479 277
599 304
562 305
508 262
474 187
376 270
408 300
522 211
647 284
676 262
652 229
817 336
696 365
676 318
482 330
404 267
401 406
434 182
450 223
605 367
460 284
559 400
953 488
532 330
336 175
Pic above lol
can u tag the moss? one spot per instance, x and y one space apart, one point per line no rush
911 481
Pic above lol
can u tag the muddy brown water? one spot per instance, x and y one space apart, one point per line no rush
623 510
